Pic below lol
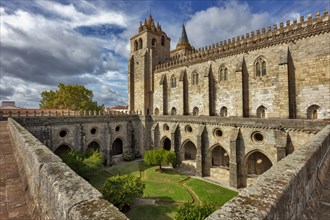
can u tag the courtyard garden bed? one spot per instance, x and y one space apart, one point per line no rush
167 189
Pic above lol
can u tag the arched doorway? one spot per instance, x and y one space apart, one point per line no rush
257 163
62 149
195 111
220 157
261 111
190 151
117 147
94 146
312 112
166 144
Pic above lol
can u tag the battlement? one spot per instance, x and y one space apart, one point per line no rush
254 40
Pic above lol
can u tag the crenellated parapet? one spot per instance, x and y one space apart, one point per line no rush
254 40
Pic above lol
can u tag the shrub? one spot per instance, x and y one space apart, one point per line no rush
128 155
159 157
121 190
189 211
84 166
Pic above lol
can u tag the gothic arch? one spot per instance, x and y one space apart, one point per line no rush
94 145
257 162
223 111
140 43
173 81
313 112
117 146
166 143
62 149
195 111
136 45
219 156
163 40
260 66
189 150
261 111
223 73
173 111
194 78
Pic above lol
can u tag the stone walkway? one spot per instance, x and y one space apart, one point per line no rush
13 202
324 201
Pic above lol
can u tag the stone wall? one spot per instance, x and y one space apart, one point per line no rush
287 189
58 191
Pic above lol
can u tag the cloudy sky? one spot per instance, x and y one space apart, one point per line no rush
44 43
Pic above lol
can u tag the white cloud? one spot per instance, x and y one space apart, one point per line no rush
216 24
77 18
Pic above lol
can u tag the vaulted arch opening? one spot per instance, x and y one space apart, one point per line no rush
166 144
258 163
190 151
224 111
62 149
195 111
312 112
117 147
220 157
93 146
261 111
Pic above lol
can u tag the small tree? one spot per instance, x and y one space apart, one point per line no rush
121 190
189 211
159 157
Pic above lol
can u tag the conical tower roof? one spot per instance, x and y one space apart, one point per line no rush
183 41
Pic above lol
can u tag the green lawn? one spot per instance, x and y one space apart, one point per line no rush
166 191
144 212
166 185
210 192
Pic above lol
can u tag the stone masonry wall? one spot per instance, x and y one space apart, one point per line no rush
285 190
58 191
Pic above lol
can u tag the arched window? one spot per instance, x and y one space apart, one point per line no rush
173 81
153 42
156 111
173 111
195 78
163 40
260 67
312 112
263 65
195 111
261 111
223 111
140 43
223 73
136 46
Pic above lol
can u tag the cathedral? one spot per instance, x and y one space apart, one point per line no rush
278 72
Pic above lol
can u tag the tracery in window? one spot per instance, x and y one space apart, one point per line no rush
260 67
195 78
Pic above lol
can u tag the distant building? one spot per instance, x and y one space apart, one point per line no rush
118 108
8 105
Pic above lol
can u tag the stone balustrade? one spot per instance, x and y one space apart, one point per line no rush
58 192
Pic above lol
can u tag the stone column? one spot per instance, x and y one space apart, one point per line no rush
234 177
199 168
280 144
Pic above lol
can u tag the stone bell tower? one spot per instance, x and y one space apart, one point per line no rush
149 47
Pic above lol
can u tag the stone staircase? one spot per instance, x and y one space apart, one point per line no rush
13 194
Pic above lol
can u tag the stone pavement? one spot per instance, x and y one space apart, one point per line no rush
324 201
13 195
